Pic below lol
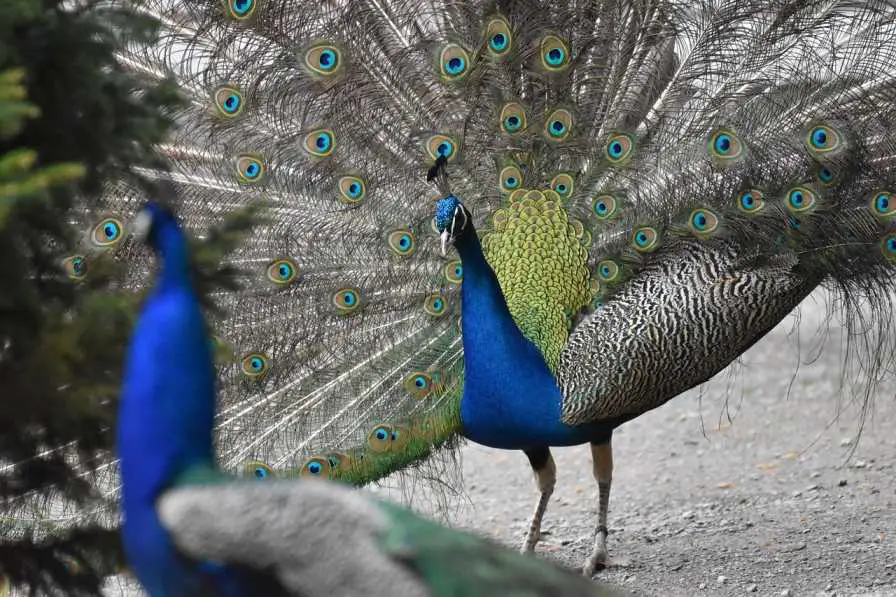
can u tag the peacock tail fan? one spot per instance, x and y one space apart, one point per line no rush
590 140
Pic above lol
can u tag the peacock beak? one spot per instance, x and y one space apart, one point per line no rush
446 236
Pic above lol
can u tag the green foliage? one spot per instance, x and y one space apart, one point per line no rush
71 120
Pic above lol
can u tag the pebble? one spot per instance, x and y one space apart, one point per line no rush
841 483
688 515
721 580
701 586
786 593
752 588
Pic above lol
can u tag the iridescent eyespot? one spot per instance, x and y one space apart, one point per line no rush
499 37
258 470
703 222
316 466
645 239
441 145
605 206
454 271
882 205
228 101
619 147
888 246
563 184
402 242
435 304
827 177
250 168
558 125
323 60
454 63
418 384
282 272
510 179
240 10
347 300
380 438
352 189
800 200
108 232
724 145
320 143
513 118
750 201
821 139
607 270
75 267
254 365
554 54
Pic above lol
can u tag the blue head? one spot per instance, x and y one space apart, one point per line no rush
453 220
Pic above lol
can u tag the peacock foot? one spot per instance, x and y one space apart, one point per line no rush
601 560
532 539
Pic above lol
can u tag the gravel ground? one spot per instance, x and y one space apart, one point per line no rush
780 500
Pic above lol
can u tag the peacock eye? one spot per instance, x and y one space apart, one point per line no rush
320 143
703 222
250 168
402 242
724 145
499 36
241 10
822 139
454 63
107 232
282 272
554 54
454 272
347 300
750 201
323 60
255 365
435 304
619 147
228 101
75 267
558 125
800 200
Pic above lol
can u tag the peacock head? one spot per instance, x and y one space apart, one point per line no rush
452 220
150 220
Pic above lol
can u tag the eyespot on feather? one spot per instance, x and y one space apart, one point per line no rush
608 270
499 37
703 222
320 143
323 60
751 201
645 239
605 207
619 148
822 139
240 10
254 365
555 55
282 272
509 179
75 267
256 469
316 467
402 242
352 189
512 118
108 232
882 205
454 272
563 184
888 246
228 101
435 304
453 63
250 168
418 384
379 439
724 145
800 200
441 145
558 125
347 300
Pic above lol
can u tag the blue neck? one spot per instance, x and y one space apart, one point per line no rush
510 399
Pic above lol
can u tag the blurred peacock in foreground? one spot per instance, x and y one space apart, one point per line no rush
637 192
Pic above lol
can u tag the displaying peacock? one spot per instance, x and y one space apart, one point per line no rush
637 192
190 530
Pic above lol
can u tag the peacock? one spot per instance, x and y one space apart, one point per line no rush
519 222
189 529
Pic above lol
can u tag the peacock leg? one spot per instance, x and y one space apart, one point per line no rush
545 478
602 458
